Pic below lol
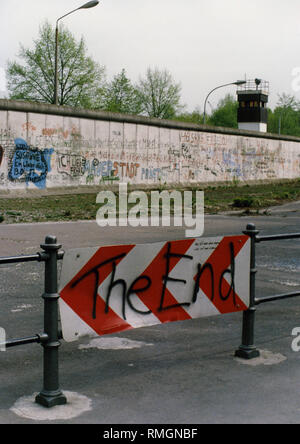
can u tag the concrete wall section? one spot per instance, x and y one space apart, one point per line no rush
41 150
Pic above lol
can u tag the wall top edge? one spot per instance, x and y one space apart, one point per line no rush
44 108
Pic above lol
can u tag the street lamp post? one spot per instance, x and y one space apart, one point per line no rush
238 82
90 4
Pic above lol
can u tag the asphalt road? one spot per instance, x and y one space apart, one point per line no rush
183 372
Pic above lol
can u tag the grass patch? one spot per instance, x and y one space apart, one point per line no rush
84 207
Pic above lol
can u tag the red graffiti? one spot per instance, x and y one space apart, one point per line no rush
28 126
52 131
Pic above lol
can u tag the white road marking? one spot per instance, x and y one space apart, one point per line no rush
113 344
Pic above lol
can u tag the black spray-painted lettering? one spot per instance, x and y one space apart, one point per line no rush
143 283
209 267
232 274
113 284
95 271
167 278
133 290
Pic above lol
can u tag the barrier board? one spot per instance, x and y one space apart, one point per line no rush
110 289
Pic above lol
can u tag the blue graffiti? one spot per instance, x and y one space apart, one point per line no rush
151 173
31 162
100 169
233 167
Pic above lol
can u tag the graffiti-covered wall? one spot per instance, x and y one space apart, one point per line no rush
44 146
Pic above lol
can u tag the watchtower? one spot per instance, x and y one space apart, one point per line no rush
252 111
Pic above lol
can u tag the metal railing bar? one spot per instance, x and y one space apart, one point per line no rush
276 297
39 257
277 237
22 341
15 259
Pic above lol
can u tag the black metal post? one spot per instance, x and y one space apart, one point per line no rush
247 349
51 394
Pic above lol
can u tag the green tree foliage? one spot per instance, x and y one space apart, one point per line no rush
194 117
121 96
80 79
225 114
285 119
158 94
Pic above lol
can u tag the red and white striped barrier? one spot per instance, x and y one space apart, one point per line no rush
115 288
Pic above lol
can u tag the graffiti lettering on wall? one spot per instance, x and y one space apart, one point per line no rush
110 171
103 169
126 169
196 138
30 164
99 168
108 179
71 164
1 154
50 132
185 150
151 173
232 165
76 165
28 127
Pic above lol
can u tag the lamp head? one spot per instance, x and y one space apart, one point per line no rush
89 4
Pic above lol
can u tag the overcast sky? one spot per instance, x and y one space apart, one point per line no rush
202 43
